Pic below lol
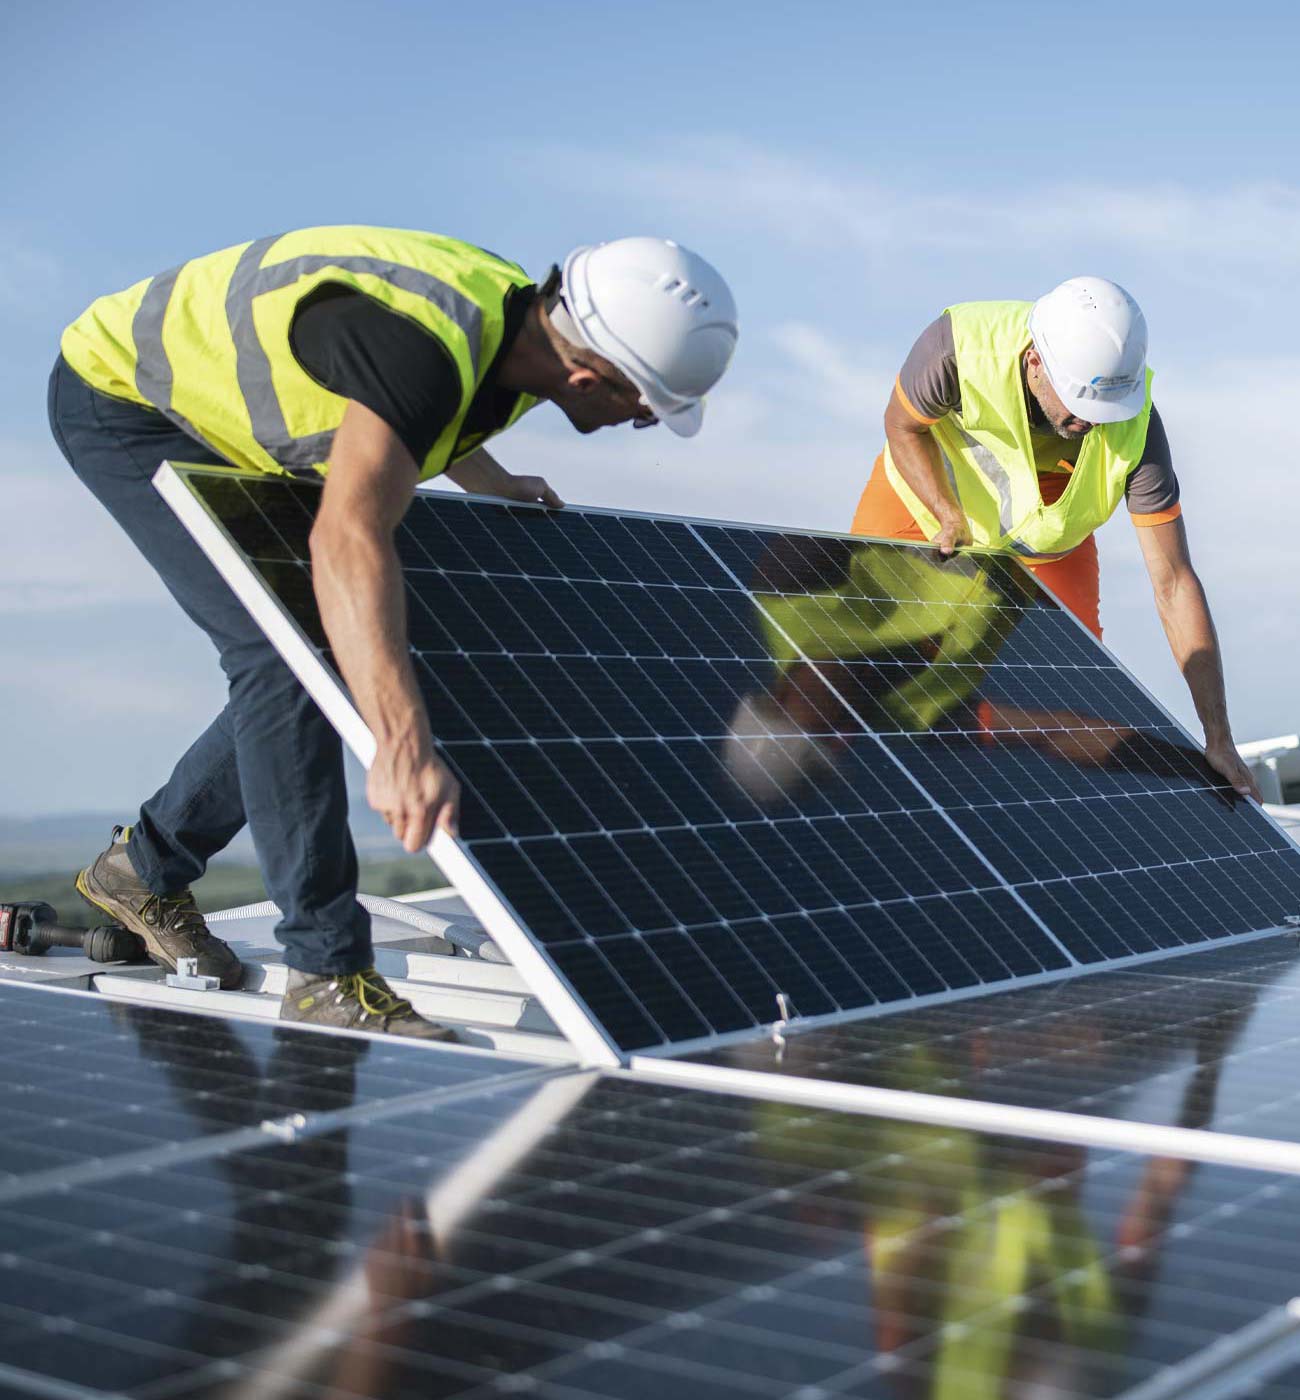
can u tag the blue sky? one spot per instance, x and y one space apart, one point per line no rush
852 168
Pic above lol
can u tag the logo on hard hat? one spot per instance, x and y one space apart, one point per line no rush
1112 381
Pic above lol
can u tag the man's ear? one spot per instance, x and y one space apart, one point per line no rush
1033 360
582 380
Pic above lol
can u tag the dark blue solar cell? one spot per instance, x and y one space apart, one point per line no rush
428 634
888 935
253 518
677 551
593 551
722 892
1090 917
705 985
604 993
633 961
778 946
520 884
292 584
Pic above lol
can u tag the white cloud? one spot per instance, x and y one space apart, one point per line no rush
844 381
110 681
104 700
843 211
67 553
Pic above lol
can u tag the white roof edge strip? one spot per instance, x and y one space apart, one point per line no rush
561 1003
978 1115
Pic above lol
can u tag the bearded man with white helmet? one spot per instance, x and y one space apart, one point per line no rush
375 358
1022 426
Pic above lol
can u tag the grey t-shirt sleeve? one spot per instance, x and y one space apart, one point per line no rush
928 380
1152 487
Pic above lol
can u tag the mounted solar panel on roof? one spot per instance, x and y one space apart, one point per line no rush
436 1222
708 766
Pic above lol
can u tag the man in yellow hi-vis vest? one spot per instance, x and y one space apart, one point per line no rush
1021 426
376 358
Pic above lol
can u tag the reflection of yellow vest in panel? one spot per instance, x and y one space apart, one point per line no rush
995 1245
208 342
997 1251
897 601
989 456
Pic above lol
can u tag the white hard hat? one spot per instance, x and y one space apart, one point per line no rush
1092 338
660 313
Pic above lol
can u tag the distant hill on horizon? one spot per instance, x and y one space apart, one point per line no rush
67 841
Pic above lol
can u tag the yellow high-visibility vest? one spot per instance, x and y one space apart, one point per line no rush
207 343
988 454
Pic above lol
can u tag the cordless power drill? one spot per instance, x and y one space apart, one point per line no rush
33 928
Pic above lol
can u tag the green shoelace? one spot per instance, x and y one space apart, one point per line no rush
376 998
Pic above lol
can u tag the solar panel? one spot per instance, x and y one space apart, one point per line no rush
709 765
585 1236
89 1080
1205 1041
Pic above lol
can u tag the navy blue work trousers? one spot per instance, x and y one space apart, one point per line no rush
270 758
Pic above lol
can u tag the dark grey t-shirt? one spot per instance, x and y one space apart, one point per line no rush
930 388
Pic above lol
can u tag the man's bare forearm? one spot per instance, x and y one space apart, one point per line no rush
482 475
479 473
358 581
1185 616
916 455
359 589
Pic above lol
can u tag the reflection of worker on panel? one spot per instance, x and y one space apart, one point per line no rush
989 1276
889 637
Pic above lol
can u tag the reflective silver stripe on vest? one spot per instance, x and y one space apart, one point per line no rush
949 472
997 474
253 366
1014 544
153 370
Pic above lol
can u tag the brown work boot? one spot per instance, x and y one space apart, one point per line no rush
171 925
355 1001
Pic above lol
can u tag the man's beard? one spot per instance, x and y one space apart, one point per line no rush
1042 417
1072 435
